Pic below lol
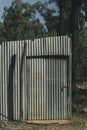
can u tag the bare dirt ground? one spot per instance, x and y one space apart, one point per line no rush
73 124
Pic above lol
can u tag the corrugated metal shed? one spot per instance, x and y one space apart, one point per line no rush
46 79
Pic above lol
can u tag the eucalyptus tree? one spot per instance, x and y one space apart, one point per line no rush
20 21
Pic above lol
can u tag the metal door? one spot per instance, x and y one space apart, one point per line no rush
47 88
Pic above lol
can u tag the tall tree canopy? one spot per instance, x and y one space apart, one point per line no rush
20 21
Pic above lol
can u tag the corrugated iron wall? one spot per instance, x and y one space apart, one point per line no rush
47 88
46 83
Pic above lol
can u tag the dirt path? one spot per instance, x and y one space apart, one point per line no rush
28 126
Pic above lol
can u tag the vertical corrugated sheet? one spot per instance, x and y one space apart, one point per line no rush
46 82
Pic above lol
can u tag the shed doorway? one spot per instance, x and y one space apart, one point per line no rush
47 88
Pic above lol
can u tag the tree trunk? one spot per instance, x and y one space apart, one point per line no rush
74 25
61 19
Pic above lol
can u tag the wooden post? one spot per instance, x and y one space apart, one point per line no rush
22 80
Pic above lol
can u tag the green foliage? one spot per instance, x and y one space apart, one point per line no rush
51 20
76 122
2 37
20 22
81 57
63 9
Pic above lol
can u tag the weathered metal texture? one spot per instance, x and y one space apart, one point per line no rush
46 83
49 46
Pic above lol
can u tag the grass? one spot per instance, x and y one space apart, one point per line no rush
76 122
